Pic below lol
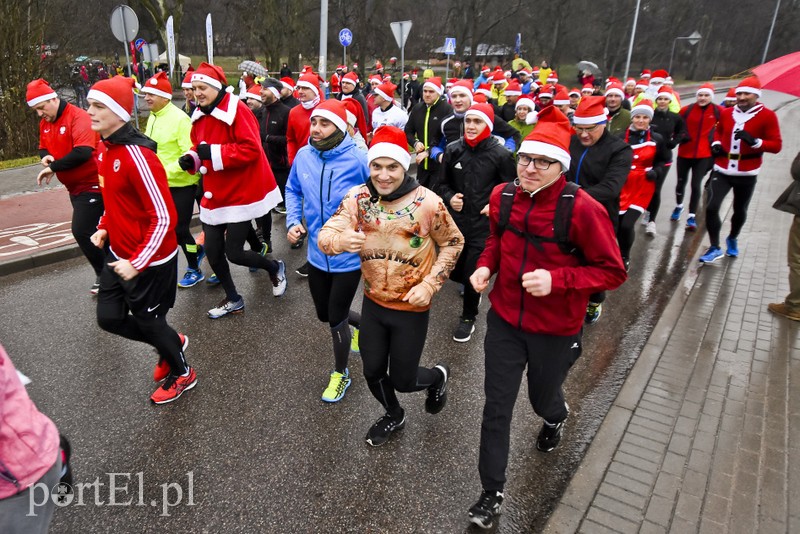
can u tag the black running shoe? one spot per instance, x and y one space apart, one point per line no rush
381 431
464 330
437 393
303 270
549 436
486 509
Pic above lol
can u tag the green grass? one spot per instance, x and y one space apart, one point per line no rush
21 162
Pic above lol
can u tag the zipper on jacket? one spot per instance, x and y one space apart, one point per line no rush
5 474
322 207
700 128
522 266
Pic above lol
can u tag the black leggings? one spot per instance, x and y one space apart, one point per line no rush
333 294
392 341
228 240
655 201
626 232
464 268
87 208
699 168
721 184
184 197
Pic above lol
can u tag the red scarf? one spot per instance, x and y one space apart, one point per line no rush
478 138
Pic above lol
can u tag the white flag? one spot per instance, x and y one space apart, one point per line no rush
210 39
170 45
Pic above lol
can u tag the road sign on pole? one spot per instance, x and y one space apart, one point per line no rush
125 26
449 50
346 39
401 30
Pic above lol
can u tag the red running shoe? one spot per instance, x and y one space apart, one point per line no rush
162 367
173 387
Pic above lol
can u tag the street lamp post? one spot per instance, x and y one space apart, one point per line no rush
633 35
693 39
323 39
771 28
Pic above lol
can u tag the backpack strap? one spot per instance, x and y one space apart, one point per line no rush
562 221
506 201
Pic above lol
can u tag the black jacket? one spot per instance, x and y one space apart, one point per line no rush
474 172
290 101
272 122
671 127
506 112
601 170
453 129
789 201
415 127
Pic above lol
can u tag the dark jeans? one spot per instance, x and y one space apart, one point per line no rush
721 184
464 268
626 232
655 201
87 208
699 168
508 352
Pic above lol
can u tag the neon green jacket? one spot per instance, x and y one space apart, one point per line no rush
170 127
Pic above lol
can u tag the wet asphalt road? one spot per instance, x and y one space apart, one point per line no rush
263 452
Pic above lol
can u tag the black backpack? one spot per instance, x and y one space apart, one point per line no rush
561 222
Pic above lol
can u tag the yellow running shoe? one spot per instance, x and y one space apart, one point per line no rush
337 386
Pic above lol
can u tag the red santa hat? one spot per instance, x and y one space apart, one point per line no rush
480 98
498 77
641 84
611 79
462 87
484 89
333 110
561 98
546 92
434 83
387 78
311 81
706 89
644 107
406 76
645 74
351 78
513 89
552 77
352 107
498 68
340 67
158 85
659 76
507 74
750 85
587 89
450 82
525 101
591 110
550 138
254 92
615 89
536 70
390 142
630 81
386 91
484 112
574 92
731 95
115 93
524 72
211 75
187 80
485 69
665 90
38 91
288 83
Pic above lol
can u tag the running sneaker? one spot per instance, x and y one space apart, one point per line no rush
711 255
225 307
486 509
380 432
279 280
266 248
437 393
338 384
303 270
95 289
676 213
627 263
691 223
162 367
645 218
593 313
650 229
549 436
212 280
464 330
299 243
191 278
354 340
280 209
733 247
173 387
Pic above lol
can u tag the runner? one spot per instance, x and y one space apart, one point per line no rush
401 275
67 146
323 171
139 279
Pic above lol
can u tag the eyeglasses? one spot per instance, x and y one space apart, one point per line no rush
538 163
587 129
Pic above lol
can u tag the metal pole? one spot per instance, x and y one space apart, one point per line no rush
323 39
402 66
130 74
771 28
344 57
447 71
670 56
633 35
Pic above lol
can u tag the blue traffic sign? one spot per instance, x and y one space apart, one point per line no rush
450 45
345 37
139 44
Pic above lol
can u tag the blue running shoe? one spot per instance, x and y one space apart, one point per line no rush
212 280
191 278
733 247
593 313
676 214
711 255
691 224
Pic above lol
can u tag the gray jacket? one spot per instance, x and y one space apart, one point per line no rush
789 201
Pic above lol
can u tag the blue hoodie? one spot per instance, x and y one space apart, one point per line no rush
316 186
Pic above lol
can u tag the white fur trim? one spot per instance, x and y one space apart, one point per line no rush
329 115
225 115
527 102
351 119
665 93
112 104
642 110
513 93
383 95
288 86
186 85
390 150
245 212
657 80
157 92
751 90
433 86
615 91
546 149
461 90
482 116
705 91
597 119
216 157
561 102
208 80
308 86
39 99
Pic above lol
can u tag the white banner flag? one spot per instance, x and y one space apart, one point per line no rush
210 39
170 45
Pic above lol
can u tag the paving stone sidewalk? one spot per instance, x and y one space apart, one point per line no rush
705 434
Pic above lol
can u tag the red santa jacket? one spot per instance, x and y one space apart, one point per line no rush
139 213
297 130
238 183
336 83
700 123
560 313
741 159
72 128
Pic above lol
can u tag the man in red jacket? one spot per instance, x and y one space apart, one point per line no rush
139 280
539 298
297 130
743 134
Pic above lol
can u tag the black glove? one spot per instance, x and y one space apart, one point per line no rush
651 175
717 150
204 151
186 162
745 136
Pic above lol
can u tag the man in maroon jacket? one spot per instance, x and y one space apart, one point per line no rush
539 297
